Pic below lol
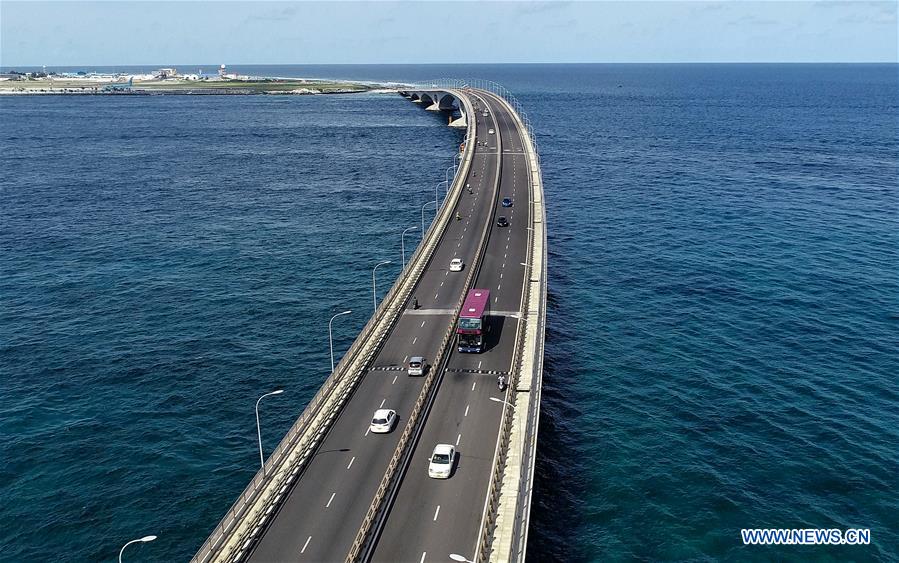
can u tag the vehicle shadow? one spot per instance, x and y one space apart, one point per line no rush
494 331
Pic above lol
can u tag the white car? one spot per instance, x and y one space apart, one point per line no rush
383 421
491 131
441 465
417 366
456 265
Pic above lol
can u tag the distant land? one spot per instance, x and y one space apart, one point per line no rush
170 81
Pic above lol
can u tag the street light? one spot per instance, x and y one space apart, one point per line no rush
331 339
461 558
144 539
259 431
427 203
501 401
403 244
374 293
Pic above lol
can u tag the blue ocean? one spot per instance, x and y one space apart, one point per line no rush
722 349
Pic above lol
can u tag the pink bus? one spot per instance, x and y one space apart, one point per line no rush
473 321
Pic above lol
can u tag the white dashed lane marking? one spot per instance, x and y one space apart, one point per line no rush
330 500
305 545
351 462
466 410
436 512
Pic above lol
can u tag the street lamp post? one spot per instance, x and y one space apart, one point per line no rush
374 293
460 558
331 338
427 203
144 539
403 244
259 430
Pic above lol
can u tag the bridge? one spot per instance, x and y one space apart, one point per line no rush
334 491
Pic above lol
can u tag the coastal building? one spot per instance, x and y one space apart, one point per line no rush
164 73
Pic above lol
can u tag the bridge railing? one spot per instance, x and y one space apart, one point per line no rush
262 495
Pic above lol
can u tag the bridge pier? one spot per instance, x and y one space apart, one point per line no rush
460 123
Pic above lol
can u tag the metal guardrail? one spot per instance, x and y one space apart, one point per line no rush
259 499
407 442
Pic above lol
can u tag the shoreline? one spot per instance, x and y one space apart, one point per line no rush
180 87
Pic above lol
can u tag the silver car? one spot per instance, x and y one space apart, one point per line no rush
417 365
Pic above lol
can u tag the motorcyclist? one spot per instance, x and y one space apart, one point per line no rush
458 217
501 382
415 302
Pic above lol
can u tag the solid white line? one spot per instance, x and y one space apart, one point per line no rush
422 560
382 403
394 379
458 438
305 545
466 410
351 462
330 499
436 512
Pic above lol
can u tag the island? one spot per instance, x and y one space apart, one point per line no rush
170 81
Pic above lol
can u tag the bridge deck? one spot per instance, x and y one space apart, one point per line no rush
425 519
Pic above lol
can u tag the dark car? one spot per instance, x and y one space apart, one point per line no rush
507 202
502 222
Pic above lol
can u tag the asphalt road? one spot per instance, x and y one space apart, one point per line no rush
432 518
319 519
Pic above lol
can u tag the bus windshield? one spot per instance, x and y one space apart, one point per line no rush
469 324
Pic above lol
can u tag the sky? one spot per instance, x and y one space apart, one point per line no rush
107 32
